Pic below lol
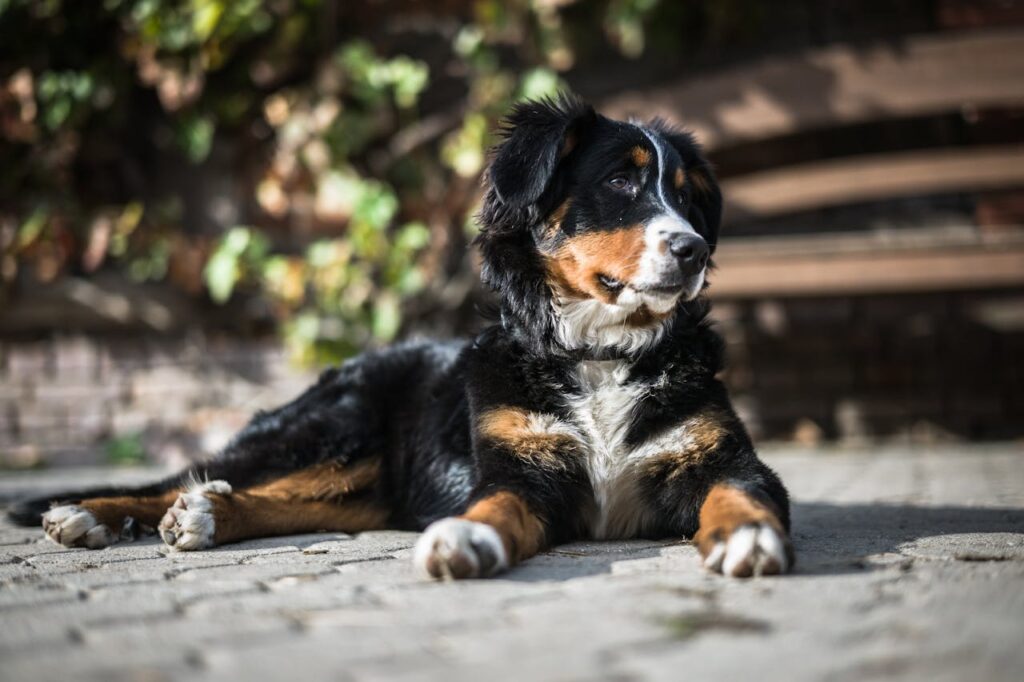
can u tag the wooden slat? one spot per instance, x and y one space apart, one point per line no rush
872 241
909 270
841 84
871 178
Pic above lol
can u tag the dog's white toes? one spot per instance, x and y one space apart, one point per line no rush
713 561
457 548
189 524
772 555
740 552
72 526
754 549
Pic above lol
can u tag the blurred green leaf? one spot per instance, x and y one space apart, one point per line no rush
206 14
387 316
125 450
32 227
221 273
195 137
239 247
537 83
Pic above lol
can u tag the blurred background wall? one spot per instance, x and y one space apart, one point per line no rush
202 201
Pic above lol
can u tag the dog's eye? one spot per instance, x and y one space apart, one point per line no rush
684 197
610 283
619 182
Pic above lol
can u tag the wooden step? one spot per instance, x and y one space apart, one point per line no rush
851 265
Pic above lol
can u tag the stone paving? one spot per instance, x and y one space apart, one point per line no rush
910 567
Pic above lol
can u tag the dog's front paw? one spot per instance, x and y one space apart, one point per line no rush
457 548
750 549
189 524
74 526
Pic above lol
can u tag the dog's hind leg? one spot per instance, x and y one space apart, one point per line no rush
102 521
324 497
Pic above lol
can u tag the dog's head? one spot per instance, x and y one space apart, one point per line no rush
597 230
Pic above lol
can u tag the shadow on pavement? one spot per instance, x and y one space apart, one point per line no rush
841 538
830 539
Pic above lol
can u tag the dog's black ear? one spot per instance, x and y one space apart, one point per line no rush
538 134
705 212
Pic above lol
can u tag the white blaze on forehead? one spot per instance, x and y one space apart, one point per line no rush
656 259
659 178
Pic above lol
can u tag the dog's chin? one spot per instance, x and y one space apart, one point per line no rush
662 297
599 325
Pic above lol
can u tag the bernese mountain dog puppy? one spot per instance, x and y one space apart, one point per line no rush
590 410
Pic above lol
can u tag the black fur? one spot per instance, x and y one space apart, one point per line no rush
414 405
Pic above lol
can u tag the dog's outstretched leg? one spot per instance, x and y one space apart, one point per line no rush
100 522
740 536
496 532
325 497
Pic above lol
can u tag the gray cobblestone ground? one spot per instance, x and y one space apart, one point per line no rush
911 566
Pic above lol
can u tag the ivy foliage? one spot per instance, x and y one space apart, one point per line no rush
289 151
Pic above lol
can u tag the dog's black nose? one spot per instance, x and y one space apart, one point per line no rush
691 250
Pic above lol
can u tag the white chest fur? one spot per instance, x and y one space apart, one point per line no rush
603 412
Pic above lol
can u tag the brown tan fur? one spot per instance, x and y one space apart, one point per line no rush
554 221
679 179
645 317
521 531
703 433
701 181
724 510
574 268
640 156
511 427
314 499
112 511
571 140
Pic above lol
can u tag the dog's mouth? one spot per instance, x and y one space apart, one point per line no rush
662 290
673 289
611 284
659 295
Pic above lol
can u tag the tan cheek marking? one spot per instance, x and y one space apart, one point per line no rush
531 437
680 178
521 531
554 221
640 156
574 268
724 510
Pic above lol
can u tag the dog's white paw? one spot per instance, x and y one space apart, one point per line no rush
751 549
457 548
73 526
189 523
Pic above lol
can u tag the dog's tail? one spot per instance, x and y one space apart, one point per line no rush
28 512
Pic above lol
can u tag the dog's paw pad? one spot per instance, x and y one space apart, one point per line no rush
457 548
752 549
189 523
73 526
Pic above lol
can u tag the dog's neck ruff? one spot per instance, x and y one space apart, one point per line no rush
591 329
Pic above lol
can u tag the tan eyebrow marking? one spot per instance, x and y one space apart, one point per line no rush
680 178
574 268
640 156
